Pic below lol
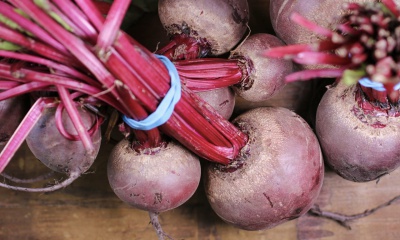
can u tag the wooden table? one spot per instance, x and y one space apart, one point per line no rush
88 209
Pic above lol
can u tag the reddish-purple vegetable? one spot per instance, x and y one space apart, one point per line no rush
265 77
154 180
199 27
360 141
55 150
276 178
357 119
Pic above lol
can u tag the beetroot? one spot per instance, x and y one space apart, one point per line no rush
276 178
218 24
360 142
265 77
57 152
155 180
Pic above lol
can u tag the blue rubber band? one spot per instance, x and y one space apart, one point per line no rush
366 82
167 104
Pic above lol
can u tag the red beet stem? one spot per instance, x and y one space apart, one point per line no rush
75 15
9 11
111 26
76 119
209 73
31 44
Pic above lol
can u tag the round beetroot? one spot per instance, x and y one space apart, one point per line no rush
156 180
359 144
266 76
279 176
57 152
221 23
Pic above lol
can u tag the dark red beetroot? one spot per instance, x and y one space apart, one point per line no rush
360 142
323 12
264 76
157 180
57 152
218 24
281 175
221 99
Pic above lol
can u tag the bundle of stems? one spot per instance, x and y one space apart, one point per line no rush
70 48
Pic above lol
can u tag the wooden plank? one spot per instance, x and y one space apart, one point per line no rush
342 196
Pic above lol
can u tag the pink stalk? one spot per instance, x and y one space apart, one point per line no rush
286 51
23 89
209 73
198 85
316 73
71 42
76 119
23 130
75 15
71 72
35 46
291 50
6 85
61 18
111 26
40 79
63 131
9 12
122 70
320 58
91 11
